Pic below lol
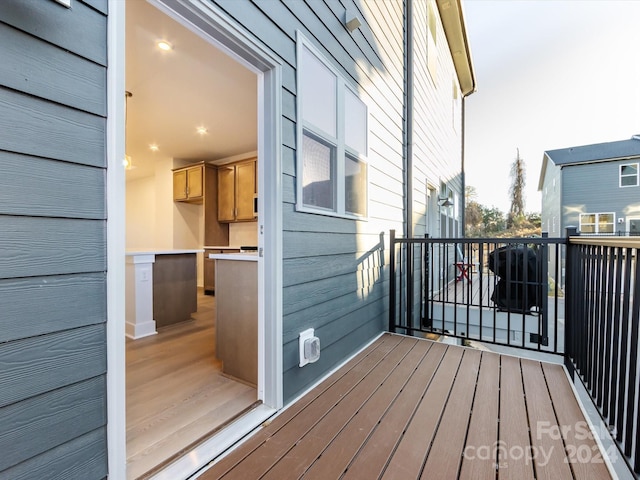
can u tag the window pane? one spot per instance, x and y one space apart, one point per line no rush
588 229
629 175
318 87
318 177
355 123
605 223
629 169
588 218
355 184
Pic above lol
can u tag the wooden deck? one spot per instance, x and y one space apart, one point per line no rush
410 408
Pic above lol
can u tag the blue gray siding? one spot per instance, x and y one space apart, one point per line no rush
335 277
551 217
52 240
594 188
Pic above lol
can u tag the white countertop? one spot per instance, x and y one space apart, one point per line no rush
246 257
162 252
221 247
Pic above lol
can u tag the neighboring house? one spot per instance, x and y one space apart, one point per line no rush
360 128
595 188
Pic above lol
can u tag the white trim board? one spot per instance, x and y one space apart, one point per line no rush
206 20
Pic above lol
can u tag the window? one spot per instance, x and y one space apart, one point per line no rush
333 139
629 175
597 222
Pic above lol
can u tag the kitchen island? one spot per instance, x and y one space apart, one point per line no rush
161 289
237 314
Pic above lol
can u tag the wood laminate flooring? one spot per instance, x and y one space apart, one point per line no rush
176 393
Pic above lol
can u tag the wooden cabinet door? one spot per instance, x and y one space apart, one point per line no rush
194 182
226 194
245 189
180 185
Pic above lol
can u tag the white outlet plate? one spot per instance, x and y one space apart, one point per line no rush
305 335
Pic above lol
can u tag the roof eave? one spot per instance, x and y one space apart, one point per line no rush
452 18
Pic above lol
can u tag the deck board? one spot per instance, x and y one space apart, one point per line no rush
371 461
303 454
478 461
407 460
579 440
335 459
453 427
410 408
514 426
547 449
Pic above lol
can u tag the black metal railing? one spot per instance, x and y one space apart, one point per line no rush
496 290
603 292
577 296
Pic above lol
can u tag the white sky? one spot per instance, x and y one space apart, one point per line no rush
550 74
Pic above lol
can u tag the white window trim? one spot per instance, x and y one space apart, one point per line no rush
341 148
597 223
637 175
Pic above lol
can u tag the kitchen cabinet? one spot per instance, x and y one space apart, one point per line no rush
237 189
188 184
210 267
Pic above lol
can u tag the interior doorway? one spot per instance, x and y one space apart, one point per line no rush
156 95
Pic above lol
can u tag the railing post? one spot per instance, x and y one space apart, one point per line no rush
392 281
571 301
543 280
425 320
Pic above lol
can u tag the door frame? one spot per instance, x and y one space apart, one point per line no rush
206 20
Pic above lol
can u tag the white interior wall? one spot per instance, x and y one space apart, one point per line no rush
140 214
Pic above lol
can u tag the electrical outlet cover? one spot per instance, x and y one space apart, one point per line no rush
306 335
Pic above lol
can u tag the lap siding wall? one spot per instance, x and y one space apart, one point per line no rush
52 240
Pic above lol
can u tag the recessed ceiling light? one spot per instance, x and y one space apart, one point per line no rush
164 45
202 130
153 147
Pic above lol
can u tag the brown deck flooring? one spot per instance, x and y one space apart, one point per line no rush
410 408
176 393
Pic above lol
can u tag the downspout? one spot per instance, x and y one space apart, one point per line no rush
408 119
463 176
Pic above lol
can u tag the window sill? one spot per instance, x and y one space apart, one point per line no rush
328 213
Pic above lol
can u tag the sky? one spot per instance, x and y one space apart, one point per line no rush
550 74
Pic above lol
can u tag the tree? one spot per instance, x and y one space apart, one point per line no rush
492 220
516 190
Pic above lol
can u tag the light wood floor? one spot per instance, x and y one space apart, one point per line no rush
176 394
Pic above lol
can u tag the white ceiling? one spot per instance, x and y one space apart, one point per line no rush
175 92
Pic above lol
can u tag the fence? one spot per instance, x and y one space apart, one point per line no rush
603 291
575 296
492 290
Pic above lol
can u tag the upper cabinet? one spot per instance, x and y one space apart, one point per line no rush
237 190
188 184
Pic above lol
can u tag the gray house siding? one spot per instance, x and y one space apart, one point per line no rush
333 271
335 279
52 240
595 188
552 221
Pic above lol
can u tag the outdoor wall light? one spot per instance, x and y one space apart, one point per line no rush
445 202
352 22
